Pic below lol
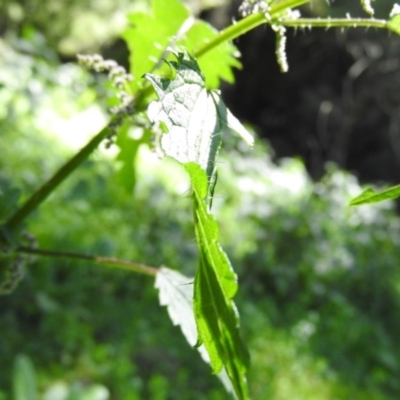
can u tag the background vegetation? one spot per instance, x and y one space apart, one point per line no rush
319 295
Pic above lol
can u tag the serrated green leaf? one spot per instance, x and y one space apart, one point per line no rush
150 34
24 380
371 196
216 64
194 117
215 286
195 120
189 114
170 24
176 293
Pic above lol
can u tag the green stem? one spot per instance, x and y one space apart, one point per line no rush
245 25
334 23
44 191
108 261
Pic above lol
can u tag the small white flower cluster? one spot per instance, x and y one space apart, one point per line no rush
280 48
117 75
119 78
249 7
292 14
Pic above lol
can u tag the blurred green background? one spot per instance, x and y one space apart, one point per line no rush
319 281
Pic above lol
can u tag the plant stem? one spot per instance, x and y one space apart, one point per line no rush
334 23
246 24
108 261
44 191
254 20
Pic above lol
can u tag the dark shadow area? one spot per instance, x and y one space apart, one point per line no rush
339 101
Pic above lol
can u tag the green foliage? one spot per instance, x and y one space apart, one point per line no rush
193 117
150 35
215 287
168 26
280 238
219 62
25 388
188 113
321 277
294 271
371 196
280 358
107 340
64 26
176 292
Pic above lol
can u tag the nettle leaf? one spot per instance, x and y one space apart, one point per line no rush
188 113
215 286
216 64
150 34
176 293
394 22
371 196
169 24
193 117
194 120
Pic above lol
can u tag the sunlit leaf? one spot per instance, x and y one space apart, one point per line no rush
150 34
176 293
169 24
194 117
216 64
215 286
230 122
189 114
371 196
194 120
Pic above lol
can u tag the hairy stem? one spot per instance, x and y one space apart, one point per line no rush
44 191
107 261
246 24
334 23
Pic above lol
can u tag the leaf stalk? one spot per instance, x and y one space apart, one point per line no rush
111 262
